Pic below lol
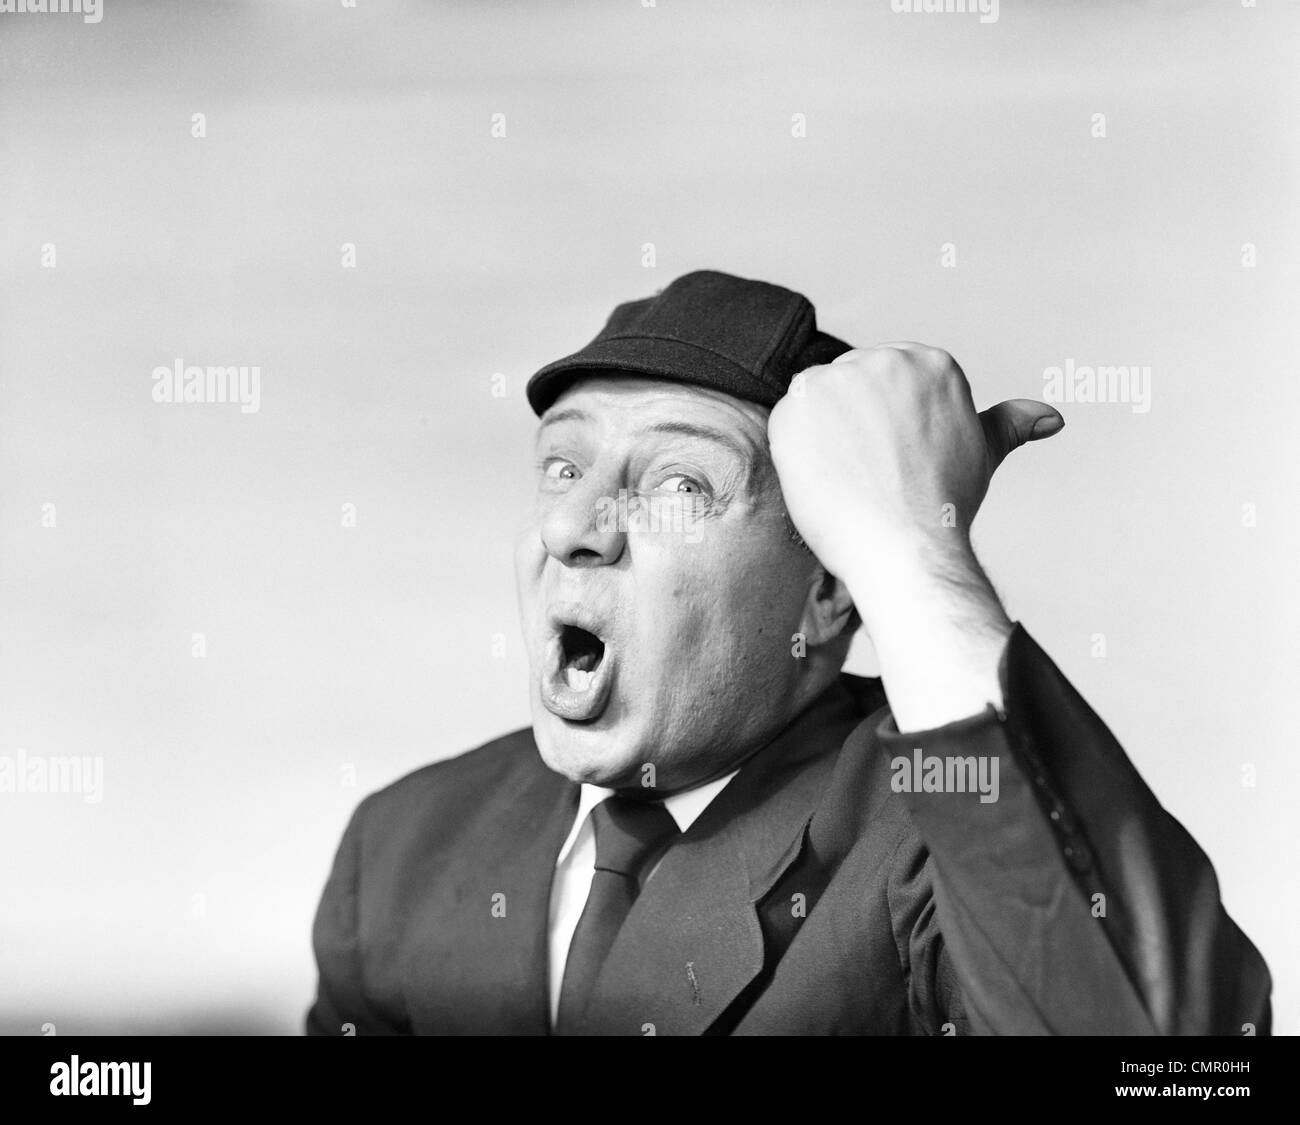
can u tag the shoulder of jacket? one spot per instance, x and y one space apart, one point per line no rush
451 778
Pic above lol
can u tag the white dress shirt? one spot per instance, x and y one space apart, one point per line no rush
576 864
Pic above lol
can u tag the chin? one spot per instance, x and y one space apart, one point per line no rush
585 755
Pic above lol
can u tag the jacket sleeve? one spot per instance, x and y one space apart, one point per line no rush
1066 900
341 1006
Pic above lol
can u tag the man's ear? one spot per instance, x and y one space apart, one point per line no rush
828 611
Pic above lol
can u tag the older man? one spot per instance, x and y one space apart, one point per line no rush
709 828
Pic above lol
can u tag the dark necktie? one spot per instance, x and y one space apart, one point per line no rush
629 834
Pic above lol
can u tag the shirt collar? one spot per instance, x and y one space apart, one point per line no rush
684 807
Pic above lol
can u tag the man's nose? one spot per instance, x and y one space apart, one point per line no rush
587 525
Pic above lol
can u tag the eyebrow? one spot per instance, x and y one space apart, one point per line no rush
708 433
569 414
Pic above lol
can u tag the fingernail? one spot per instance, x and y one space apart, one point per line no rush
1047 425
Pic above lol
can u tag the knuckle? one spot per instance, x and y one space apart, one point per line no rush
881 359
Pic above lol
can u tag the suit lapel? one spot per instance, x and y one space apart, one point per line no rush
483 955
693 941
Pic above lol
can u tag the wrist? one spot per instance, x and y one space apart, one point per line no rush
907 579
939 632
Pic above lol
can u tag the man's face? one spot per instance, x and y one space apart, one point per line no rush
659 587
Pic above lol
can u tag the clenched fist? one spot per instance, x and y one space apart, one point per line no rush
883 463
883 459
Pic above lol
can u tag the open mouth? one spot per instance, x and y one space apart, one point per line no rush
577 674
582 653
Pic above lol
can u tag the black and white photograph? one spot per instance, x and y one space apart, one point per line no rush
648 518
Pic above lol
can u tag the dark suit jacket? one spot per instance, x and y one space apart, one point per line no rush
809 897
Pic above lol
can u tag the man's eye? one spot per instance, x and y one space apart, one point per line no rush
684 484
558 469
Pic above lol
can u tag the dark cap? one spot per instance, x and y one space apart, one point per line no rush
745 338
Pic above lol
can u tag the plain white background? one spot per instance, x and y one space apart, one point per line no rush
339 658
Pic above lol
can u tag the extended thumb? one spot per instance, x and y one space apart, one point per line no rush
1010 424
